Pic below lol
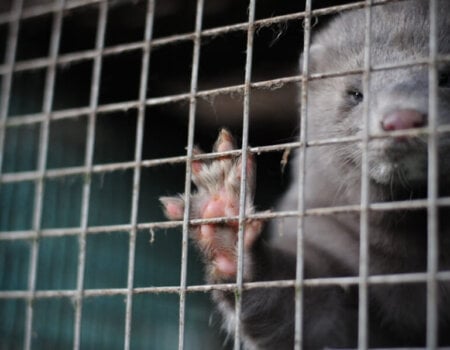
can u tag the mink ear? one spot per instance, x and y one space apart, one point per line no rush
173 207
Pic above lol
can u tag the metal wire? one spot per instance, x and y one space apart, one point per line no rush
100 168
187 184
88 161
266 215
13 121
137 168
40 10
433 186
412 278
243 184
42 162
363 304
7 77
299 278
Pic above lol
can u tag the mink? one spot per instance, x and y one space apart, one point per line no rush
398 100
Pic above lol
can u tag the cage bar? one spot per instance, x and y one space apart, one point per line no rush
363 304
89 157
13 121
298 344
243 183
187 185
382 206
310 282
40 10
433 186
100 168
137 168
42 162
13 36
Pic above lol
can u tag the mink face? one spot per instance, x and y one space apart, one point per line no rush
398 98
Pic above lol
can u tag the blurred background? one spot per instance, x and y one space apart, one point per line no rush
273 119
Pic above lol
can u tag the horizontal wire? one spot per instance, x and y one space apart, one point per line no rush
418 277
40 10
273 84
121 166
415 204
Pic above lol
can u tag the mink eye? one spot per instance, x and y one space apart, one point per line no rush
355 96
444 79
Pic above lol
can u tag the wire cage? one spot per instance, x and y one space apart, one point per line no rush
101 105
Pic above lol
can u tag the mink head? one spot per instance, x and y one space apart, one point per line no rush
398 99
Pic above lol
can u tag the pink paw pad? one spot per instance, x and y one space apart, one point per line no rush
214 209
225 266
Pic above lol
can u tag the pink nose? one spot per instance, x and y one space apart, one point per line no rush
403 119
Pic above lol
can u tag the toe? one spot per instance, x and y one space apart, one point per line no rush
225 142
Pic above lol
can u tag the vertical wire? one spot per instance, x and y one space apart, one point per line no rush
365 195
10 58
42 162
90 142
301 180
243 185
137 169
433 185
187 184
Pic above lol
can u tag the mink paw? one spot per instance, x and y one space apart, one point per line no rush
217 196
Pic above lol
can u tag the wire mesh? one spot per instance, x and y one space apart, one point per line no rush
96 110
